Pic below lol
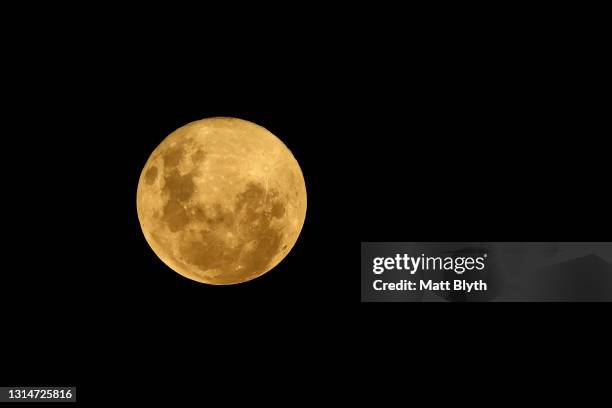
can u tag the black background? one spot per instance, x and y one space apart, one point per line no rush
400 137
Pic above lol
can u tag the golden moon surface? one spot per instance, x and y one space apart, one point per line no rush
221 200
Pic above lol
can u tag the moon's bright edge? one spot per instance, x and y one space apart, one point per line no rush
221 201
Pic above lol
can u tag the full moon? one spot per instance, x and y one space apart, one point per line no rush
221 201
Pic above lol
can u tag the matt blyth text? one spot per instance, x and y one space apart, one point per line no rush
456 285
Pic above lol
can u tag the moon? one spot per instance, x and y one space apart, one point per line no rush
221 201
